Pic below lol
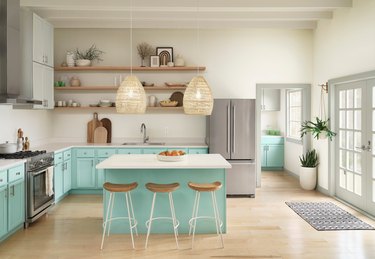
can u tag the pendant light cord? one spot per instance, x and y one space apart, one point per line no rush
131 37
198 38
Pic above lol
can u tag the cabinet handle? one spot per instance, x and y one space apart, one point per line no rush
1 180
84 153
18 173
12 191
6 193
92 163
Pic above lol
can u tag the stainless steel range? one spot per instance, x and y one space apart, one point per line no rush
39 182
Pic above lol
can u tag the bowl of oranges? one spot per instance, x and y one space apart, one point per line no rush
171 156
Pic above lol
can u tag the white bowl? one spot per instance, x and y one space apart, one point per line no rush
170 158
83 62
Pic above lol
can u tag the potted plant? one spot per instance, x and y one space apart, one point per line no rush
318 129
85 58
307 174
144 50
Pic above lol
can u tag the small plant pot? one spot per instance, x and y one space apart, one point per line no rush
307 178
83 62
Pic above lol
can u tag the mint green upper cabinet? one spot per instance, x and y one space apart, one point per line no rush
3 210
270 100
129 151
85 175
16 204
198 150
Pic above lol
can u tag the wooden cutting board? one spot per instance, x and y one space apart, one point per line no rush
100 135
91 126
106 123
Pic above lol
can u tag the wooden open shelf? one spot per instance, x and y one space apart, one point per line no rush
113 109
127 68
114 88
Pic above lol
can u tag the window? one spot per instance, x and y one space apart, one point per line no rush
294 114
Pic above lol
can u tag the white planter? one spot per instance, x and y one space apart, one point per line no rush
83 62
307 178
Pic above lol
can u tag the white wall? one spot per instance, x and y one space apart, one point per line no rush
34 123
343 46
235 59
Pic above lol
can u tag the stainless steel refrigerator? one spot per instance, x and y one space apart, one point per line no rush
231 133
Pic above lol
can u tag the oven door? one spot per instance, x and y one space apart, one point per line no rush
40 191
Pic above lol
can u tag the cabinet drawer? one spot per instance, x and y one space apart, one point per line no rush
58 157
198 151
272 140
153 150
85 153
3 178
130 151
106 152
67 154
16 173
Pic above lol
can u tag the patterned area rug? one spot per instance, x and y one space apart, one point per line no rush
327 216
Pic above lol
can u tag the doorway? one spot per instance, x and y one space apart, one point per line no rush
354 167
262 132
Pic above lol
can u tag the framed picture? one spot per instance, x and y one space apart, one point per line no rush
154 61
165 55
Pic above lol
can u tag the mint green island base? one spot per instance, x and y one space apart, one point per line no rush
195 168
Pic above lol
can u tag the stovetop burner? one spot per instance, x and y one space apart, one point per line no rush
22 154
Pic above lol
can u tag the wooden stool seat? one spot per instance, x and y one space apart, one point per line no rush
112 187
156 187
205 187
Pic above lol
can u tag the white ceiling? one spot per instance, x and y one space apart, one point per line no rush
295 14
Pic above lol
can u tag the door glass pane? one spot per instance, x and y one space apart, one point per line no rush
342 137
342 158
373 120
357 140
349 119
372 145
349 181
349 161
349 98
342 101
358 184
357 120
349 140
373 97
358 163
343 120
357 98
342 179
373 191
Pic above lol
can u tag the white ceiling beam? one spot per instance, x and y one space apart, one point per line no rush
63 14
101 4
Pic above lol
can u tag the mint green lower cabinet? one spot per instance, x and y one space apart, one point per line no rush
85 175
198 150
16 204
100 175
58 180
275 156
67 176
129 151
3 211
154 150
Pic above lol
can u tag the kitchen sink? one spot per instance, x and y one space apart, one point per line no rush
144 144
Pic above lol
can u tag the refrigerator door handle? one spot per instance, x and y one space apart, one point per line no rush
228 129
233 128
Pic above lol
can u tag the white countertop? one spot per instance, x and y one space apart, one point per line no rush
7 163
147 161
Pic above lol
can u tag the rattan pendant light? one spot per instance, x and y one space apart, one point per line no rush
198 97
131 97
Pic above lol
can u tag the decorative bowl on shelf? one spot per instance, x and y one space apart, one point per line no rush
168 103
83 62
175 84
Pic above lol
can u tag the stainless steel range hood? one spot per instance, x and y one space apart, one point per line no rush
11 91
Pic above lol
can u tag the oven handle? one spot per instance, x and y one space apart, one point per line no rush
40 171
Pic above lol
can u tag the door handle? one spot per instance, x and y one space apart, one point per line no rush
368 148
234 129
363 147
228 129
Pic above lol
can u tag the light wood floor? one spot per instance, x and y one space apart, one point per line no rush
262 228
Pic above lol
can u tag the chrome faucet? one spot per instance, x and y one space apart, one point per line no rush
143 130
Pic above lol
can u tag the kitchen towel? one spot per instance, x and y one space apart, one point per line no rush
49 181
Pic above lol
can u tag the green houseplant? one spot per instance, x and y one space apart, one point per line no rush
317 128
85 57
307 175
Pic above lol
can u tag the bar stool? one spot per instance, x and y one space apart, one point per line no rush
113 189
205 187
163 188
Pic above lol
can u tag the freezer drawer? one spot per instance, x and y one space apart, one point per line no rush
241 179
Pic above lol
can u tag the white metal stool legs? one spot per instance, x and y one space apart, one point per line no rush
173 218
132 221
193 220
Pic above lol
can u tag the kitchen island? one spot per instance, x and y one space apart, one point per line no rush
200 168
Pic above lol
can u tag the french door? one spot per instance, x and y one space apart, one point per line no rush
355 156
